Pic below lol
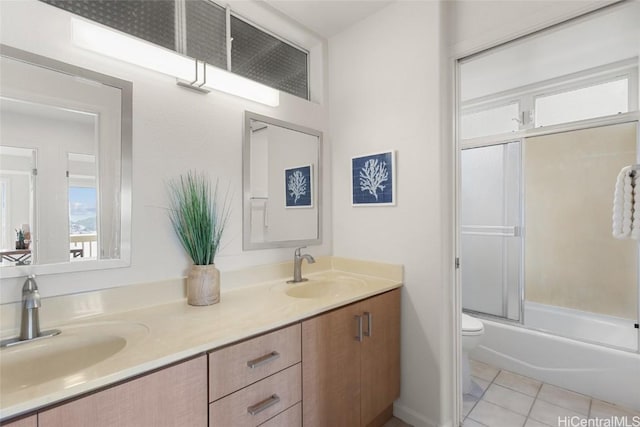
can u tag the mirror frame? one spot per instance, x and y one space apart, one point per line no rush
126 140
247 244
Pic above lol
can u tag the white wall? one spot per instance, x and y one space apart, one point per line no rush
174 130
384 93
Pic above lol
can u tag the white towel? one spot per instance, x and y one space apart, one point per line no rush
626 206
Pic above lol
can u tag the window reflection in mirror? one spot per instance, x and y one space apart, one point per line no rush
60 166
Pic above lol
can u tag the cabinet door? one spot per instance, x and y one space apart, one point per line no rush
175 396
31 421
331 369
380 380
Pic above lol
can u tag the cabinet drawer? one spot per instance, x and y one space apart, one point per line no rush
239 365
259 402
292 417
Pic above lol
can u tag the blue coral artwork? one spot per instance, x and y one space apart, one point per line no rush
298 187
373 179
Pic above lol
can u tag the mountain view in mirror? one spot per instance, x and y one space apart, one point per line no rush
281 175
61 166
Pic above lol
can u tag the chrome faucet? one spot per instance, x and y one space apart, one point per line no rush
30 326
297 265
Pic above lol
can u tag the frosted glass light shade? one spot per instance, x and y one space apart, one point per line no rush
118 45
218 79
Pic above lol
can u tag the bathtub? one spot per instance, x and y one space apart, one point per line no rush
582 325
604 373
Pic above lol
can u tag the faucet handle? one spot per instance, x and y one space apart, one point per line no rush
297 252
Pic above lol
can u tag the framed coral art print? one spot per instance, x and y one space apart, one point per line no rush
373 179
299 187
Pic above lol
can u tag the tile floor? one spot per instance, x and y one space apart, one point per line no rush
503 399
396 422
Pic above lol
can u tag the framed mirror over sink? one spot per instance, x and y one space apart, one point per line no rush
65 166
282 172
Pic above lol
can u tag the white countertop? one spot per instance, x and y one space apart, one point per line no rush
177 331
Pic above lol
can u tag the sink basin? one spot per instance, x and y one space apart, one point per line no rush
324 288
66 355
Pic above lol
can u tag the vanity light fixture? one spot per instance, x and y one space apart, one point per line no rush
118 45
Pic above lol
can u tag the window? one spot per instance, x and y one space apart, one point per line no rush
82 210
490 121
150 20
603 99
207 32
264 58
202 34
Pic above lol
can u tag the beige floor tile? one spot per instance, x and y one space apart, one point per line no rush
533 423
549 414
478 386
471 423
565 398
468 402
519 383
495 416
602 409
509 399
482 370
396 422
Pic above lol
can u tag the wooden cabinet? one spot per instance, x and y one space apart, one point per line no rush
380 356
174 396
31 421
351 363
257 381
341 368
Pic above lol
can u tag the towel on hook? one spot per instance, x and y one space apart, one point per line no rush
626 206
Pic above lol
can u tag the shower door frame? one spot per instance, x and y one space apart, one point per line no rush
455 59
517 232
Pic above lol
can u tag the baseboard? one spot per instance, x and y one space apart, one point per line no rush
412 417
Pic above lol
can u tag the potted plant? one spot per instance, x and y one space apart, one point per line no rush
20 244
199 220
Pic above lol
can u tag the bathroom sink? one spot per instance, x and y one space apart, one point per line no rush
65 356
324 288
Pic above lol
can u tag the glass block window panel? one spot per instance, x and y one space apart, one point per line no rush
599 100
206 32
491 121
151 20
266 59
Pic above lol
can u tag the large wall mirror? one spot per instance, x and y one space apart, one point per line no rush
281 180
65 167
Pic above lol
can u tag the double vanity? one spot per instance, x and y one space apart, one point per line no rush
321 352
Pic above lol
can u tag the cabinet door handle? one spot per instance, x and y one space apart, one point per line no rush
261 406
369 331
358 336
263 359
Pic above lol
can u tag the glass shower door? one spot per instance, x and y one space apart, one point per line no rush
491 241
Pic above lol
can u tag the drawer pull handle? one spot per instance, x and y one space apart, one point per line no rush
263 359
369 331
261 406
358 336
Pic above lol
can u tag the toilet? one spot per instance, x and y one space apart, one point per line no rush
472 331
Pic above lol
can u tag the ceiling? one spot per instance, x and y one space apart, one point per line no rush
328 17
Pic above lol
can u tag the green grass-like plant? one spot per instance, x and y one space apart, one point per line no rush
197 216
